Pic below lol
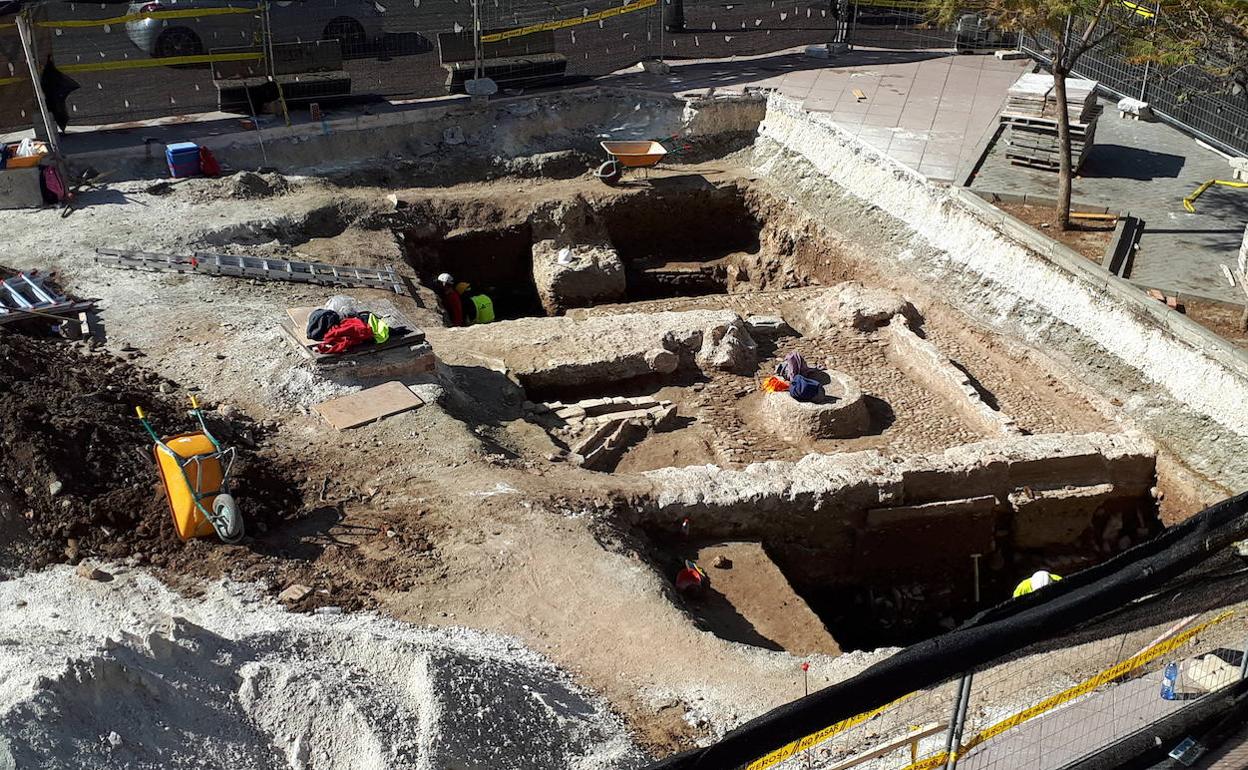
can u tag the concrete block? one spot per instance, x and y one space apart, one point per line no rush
1010 55
1134 109
19 188
1239 172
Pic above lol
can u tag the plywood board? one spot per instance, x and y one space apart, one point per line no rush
299 317
368 405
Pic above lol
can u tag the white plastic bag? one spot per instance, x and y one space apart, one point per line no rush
343 305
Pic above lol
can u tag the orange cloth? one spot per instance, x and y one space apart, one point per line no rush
774 384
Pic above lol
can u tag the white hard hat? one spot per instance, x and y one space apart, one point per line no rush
1040 579
445 278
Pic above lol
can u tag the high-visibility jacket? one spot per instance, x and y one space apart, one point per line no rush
482 309
1036 581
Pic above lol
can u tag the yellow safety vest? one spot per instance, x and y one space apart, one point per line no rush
485 309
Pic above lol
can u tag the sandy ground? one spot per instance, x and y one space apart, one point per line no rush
451 516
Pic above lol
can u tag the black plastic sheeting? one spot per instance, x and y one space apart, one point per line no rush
1103 591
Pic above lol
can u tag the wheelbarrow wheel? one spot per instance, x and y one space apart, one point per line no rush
226 519
610 172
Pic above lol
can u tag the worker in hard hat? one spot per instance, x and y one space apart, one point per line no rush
1038 580
478 308
450 299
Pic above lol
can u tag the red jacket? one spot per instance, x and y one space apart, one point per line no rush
346 335
454 306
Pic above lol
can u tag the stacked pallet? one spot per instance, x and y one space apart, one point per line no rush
1030 119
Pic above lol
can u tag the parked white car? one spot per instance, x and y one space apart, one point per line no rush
357 24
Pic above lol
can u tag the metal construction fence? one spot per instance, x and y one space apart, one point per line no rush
120 62
1189 97
1044 709
154 59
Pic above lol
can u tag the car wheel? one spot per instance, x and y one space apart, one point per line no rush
349 33
178 41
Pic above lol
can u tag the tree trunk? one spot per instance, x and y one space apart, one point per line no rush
1065 172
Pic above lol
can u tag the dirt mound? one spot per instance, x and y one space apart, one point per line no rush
77 477
230 680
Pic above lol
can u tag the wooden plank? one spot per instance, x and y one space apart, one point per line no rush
368 405
299 318
891 746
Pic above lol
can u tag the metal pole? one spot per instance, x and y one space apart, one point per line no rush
26 32
1148 64
267 32
1243 664
953 739
476 39
662 29
975 557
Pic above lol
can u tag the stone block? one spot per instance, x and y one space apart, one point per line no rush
1057 517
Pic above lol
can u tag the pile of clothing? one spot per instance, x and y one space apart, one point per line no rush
794 376
341 326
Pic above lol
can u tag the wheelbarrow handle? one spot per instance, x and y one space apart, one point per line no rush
146 425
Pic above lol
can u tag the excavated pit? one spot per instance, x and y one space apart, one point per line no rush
635 330
664 243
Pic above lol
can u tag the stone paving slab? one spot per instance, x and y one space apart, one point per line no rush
1146 169
927 109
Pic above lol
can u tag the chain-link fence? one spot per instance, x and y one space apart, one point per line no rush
1040 709
1189 97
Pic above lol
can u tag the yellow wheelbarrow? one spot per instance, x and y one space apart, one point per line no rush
624 155
195 471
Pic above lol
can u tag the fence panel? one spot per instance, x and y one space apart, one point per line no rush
1189 96
1060 706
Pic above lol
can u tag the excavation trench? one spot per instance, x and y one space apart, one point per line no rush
887 551
559 254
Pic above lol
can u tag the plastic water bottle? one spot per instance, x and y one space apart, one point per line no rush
1169 680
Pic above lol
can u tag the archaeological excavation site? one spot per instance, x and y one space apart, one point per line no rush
447 454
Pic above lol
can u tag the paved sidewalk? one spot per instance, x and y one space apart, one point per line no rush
927 109
1076 730
1146 169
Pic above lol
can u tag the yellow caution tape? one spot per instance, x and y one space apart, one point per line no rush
569 22
814 739
185 13
1189 201
11 81
167 61
932 762
906 5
